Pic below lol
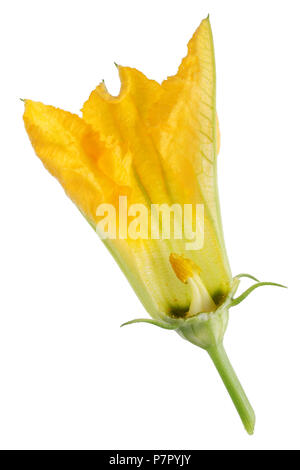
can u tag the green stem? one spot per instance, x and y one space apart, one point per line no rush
231 382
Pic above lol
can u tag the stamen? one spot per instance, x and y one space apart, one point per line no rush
188 272
183 267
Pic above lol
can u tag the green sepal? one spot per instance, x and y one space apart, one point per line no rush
245 294
247 275
161 324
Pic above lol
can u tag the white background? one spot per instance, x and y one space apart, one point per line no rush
69 376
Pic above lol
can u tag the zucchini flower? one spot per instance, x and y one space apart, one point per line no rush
141 168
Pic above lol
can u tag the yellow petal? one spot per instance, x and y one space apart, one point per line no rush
72 152
184 121
172 134
118 118
218 135
91 173
156 144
